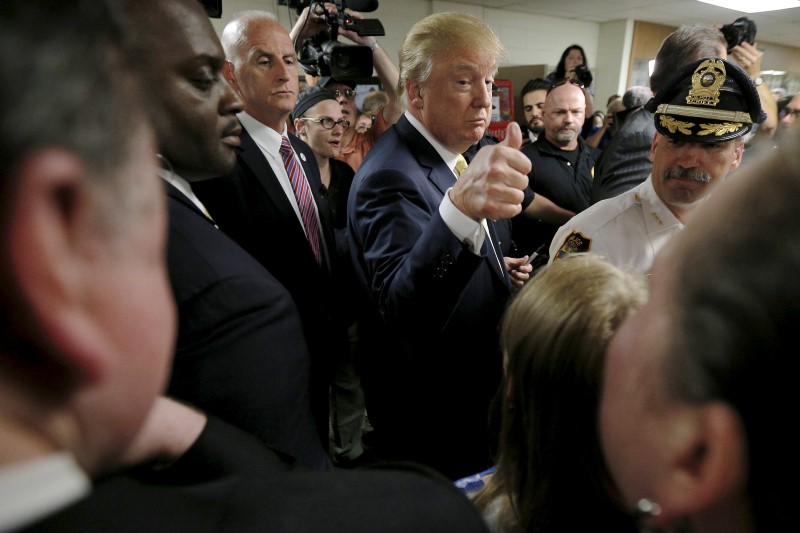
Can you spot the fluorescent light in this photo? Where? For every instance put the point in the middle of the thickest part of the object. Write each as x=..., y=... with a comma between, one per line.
x=773, y=72
x=749, y=6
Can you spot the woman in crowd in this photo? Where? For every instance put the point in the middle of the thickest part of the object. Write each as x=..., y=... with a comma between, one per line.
x=600, y=136
x=319, y=121
x=550, y=473
x=572, y=58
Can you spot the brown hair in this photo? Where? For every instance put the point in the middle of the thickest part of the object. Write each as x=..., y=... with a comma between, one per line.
x=554, y=337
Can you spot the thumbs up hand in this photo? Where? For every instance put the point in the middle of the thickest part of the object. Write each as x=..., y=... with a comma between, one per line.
x=493, y=184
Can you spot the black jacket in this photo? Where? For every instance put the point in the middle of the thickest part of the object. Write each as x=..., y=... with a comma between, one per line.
x=554, y=177
x=625, y=161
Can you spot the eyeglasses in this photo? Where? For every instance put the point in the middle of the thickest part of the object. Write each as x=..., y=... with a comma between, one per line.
x=348, y=93
x=788, y=111
x=565, y=81
x=328, y=123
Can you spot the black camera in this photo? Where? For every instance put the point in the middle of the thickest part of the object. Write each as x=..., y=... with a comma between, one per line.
x=583, y=75
x=323, y=55
x=741, y=30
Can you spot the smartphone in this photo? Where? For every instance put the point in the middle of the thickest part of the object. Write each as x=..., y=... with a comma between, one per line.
x=533, y=255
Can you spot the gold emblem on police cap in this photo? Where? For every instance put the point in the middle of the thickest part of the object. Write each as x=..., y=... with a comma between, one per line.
x=708, y=77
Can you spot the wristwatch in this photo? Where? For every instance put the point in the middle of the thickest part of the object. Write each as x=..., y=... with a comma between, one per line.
x=758, y=80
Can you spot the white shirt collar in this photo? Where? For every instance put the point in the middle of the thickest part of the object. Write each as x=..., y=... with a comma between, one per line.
x=34, y=489
x=448, y=156
x=186, y=189
x=264, y=136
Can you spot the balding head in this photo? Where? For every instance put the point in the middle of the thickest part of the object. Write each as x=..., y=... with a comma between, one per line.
x=564, y=113
x=262, y=67
x=236, y=33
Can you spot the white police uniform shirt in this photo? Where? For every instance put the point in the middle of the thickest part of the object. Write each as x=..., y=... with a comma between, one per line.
x=628, y=229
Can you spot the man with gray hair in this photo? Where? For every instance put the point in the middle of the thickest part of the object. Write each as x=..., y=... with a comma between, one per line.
x=427, y=252
x=625, y=161
x=701, y=116
x=636, y=96
x=271, y=203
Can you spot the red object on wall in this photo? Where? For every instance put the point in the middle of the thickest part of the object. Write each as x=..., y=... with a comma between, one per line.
x=502, y=109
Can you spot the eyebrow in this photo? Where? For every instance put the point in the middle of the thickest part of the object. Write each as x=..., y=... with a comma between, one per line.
x=260, y=52
x=471, y=67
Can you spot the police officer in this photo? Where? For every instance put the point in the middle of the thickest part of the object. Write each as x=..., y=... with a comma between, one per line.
x=701, y=118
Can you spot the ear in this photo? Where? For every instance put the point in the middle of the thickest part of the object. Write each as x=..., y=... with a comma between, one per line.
x=48, y=237
x=710, y=468
x=653, y=146
x=739, y=150
x=414, y=94
x=228, y=73
x=298, y=127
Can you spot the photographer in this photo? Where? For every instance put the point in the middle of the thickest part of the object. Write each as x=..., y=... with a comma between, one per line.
x=573, y=65
x=749, y=57
x=355, y=144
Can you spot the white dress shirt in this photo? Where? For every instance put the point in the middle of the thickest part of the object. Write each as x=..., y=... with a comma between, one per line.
x=32, y=490
x=628, y=229
x=462, y=226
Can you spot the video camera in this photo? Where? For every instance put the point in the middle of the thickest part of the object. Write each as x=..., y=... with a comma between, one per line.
x=584, y=75
x=740, y=30
x=323, y=55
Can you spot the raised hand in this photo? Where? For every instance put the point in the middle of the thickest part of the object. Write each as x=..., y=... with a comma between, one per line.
x=492, y=186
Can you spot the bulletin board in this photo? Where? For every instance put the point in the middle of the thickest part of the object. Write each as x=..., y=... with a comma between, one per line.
x=502, y=108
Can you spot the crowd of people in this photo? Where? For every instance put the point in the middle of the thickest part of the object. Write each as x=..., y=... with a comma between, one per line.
x=212, y=280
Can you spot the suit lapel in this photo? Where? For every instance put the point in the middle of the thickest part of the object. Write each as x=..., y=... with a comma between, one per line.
x=253, y=158
x=177, y=195
x=443, y=178
x=440, y=175
x=257, y=164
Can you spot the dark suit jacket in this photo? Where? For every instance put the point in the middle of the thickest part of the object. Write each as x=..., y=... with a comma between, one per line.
x=226, y=482
x=435, y=306
x=240, y=350
x=250, y=205
x=625, y=161
x=553, y=175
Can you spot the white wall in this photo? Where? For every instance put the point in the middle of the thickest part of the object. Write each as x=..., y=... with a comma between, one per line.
x=612, y=60
x=530, y=39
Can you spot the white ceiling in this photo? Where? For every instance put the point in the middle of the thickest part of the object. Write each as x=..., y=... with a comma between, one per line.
x=782, y=27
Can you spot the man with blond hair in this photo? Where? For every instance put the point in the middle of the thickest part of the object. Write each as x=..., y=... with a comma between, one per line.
x=428, y=254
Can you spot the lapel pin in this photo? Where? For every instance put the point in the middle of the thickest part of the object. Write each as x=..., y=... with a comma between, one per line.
x=303, y=157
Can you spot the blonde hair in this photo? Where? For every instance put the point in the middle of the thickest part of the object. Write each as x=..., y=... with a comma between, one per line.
x=554, y=337
x=442, y=33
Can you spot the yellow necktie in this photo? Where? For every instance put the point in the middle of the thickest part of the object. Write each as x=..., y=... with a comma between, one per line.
x=461, y=165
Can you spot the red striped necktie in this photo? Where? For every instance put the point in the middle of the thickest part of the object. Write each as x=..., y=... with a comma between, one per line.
x=302, y=192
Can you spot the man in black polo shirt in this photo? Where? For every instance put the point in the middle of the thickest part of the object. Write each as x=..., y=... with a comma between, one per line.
x=562, y=164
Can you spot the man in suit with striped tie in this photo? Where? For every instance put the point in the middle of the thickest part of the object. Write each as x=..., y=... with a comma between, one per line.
x=271, y=203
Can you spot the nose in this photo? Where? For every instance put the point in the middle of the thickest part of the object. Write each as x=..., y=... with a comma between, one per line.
x=286, y=71
x=342, y=99
x=483, y=97
x=690, y=155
